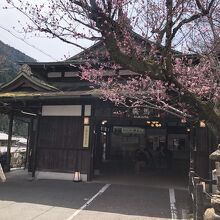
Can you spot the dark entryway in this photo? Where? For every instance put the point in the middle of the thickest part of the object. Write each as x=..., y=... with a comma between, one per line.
x=139, y=152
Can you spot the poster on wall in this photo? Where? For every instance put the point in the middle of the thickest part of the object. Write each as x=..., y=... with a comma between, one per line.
x=86, y=136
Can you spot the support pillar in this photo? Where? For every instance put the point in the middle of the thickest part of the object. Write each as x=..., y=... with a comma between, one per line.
x=36, y=132
x=27, y=146
x=10, y=130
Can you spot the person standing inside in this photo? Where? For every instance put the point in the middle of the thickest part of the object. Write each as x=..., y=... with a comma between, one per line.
x=168, y=154
x=159, y=156
x=141, y=160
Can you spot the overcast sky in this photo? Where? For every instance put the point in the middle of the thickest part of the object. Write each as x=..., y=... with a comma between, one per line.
x=53, y=47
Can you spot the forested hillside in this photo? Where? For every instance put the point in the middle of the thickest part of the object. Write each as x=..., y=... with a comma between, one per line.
x=9, y=59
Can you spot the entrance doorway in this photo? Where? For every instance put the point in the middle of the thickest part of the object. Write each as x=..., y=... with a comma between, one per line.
x=142, y=154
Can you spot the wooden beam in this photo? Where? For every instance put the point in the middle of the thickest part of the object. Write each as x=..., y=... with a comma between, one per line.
x=10, y=130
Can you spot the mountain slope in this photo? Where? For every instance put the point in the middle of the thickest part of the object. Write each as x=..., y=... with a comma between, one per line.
x=9, y=58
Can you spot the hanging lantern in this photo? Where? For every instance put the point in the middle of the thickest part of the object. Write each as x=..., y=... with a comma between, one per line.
x=202, y=124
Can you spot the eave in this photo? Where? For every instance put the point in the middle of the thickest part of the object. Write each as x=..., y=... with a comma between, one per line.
x=95, y=93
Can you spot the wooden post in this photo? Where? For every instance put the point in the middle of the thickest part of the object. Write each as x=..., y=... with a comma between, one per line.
x=27, y=146
x=210, y=144
x=199, y=203
x=31, y=146
x=92, y=145
x=108, y=142
x=97, y=149
x=36, y=132
x=10, y=130
x=192, y=145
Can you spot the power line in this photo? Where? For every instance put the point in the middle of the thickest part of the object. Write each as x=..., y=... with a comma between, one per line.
x=31, y=45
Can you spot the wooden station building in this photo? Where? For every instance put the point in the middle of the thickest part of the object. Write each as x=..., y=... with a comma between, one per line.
x=71, y=129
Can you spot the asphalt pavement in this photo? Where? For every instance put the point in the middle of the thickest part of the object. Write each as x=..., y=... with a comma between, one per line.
x=22, y=198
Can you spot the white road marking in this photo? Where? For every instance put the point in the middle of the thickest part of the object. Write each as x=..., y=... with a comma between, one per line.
x=173, y=204
x=102, y=190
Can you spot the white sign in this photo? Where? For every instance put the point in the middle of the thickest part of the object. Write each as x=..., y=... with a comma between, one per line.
x=61, y=110
x=132, y=130
x=86, y=136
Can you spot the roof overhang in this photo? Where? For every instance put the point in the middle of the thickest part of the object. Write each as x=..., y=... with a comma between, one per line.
x=49, y=95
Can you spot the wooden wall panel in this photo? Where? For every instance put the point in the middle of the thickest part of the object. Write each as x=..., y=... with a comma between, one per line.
x=60, y=145
x=63, y=160
x=60, y=132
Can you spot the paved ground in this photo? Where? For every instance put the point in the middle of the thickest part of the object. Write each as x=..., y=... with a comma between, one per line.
x=23, y=199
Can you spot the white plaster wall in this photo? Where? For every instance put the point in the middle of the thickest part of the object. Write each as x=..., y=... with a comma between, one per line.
x=87, y=110
x=58, y=176
x=61, y=110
